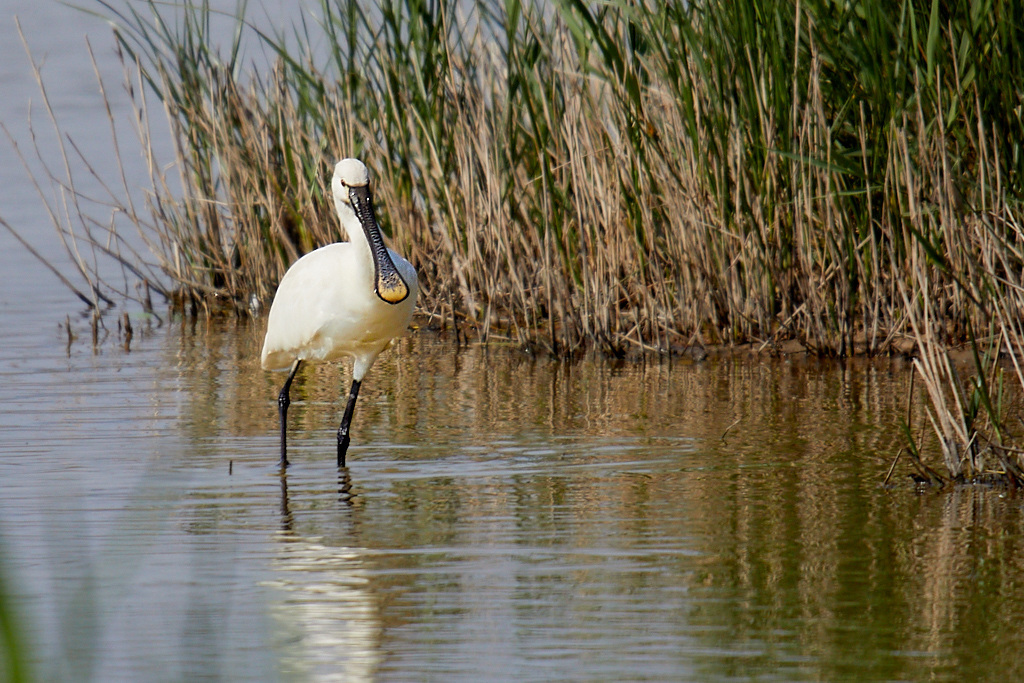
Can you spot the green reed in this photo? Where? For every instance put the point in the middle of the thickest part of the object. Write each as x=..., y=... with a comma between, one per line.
x=625, y=176
x=14, y=652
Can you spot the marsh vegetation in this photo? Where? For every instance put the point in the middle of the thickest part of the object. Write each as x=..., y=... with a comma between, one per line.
x=844, y=177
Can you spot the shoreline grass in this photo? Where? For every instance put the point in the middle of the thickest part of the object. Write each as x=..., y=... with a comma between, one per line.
x=616, y=177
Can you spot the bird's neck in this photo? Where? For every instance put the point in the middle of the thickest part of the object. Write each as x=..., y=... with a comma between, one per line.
x=357, y=238
x=353, y=227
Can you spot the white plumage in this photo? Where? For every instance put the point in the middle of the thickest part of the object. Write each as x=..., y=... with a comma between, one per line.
x=346, y=299
x=328, y=310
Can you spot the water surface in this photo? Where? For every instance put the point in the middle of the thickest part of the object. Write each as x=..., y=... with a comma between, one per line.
x=503, y=517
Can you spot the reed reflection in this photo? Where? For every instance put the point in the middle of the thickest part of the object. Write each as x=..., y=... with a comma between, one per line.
x=744, y=493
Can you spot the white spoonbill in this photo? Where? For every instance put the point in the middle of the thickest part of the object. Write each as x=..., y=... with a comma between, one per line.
x=346, y=299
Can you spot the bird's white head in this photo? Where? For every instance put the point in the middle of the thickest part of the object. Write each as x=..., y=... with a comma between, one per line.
x=349, y=173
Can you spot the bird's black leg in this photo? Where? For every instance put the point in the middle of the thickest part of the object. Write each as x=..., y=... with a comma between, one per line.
x=346, y=420
x=283, y=401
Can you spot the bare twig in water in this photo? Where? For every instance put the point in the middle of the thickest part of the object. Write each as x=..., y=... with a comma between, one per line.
x=892, y=467
x=729, y=428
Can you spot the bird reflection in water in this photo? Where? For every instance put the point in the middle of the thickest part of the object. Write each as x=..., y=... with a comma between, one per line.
x=329, y=618
x=346, y=497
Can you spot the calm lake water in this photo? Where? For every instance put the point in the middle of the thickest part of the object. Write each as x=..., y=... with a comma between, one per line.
x=503, y=517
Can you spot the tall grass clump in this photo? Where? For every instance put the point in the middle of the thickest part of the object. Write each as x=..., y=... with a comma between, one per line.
x=624, y=176
x=618, y=176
